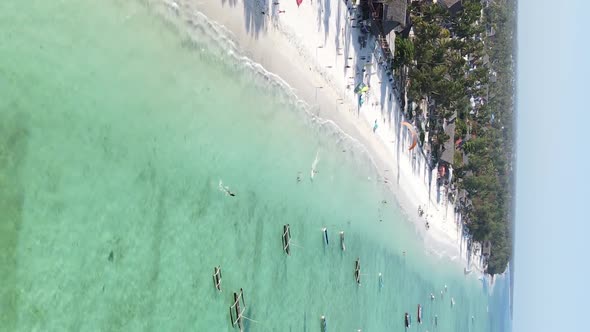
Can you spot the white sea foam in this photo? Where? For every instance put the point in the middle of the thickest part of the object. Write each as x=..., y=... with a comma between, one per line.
x=201, y=32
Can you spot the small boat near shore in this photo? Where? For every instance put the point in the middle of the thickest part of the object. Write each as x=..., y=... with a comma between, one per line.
x=217, y=277
x=287, y=239
x=236, y=311
x=357, y=271
x=325, y=231
x=419, y=314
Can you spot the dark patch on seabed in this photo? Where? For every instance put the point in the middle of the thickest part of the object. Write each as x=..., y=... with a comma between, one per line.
x=156, y=249
x=259, y=240
x=14, y=136
x=142, y=302
x=200, y=203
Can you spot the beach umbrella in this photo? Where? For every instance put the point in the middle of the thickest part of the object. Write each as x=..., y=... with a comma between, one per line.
x=299, y=2
x=361, y=88
x=358, y=87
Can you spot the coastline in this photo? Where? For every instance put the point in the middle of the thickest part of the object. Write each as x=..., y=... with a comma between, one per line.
x=286, y=44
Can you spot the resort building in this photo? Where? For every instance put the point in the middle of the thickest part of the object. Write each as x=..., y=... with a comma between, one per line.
x=453, y=6
x=388, y=15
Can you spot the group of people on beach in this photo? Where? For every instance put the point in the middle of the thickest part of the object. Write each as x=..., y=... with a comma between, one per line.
x=420, y=214
x=276, y=3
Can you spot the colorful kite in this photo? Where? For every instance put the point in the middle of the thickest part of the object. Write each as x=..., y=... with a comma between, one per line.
x=414, y=136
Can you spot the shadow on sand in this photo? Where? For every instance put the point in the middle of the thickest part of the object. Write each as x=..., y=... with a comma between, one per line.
x=324, y=11
x=256, y=15
x=232, y=3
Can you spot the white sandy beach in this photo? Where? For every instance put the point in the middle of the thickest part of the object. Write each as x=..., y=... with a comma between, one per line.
x=315, y=50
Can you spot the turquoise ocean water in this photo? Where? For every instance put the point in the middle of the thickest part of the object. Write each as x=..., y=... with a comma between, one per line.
x=117, y=125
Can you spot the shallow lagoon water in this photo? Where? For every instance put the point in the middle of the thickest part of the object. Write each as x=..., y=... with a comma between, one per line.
x=117, y=126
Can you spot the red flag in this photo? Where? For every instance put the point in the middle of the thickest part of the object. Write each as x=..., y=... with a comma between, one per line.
x=299, y=2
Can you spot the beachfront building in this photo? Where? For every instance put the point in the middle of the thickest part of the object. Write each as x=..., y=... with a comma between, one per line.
x=454, y=6
x=388, y=15
x=448, y=152
x=446, y=161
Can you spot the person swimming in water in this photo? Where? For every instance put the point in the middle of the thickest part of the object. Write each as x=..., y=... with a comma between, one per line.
x=229, y=192
x=225, y=189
